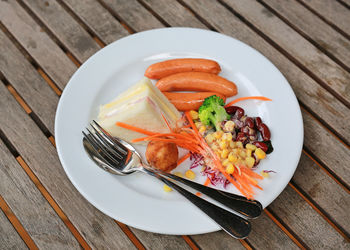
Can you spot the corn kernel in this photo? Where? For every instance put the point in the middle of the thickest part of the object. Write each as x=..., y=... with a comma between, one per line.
x=264, y=174
x=230, y=168
x=166, y=188
x=235, y=151
x=227, y=136
x=242, y=154
x=209, y=138
x=223, y=144
x=224, y=153
x=190, y=174
x=229, y=126
x=218, y=134
x=239, y=144
x=250, y=146
x=215, y=146
x=198, y=124
x=232, y=144
x=260, y=153
x=232, y=157
x=194, y=115
x=218, y=153
x=250, y=161
x=202, y=129
x=248, y=152
x=225, y=162
x=179, y=174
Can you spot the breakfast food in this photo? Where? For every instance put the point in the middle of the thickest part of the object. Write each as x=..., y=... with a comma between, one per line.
x=197, y=81
x=189, y=101
x=141, y=105
x=173, y=66
x=162, y=155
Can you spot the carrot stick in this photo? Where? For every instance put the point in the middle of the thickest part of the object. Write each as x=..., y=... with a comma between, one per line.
x=251, y=173
x=262, y=98
x=133, y=128
x=183, y=158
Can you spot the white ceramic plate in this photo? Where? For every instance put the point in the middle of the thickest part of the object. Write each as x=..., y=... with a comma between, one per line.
x=138, y=200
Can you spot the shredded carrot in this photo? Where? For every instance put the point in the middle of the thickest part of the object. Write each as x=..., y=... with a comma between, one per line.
x=262, y=98
x=133, y=128
x=183, y=158
x=251, y=173
x=207, y=182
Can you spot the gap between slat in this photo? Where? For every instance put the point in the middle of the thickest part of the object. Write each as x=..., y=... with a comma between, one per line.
x=303, y=34
x=344, y=4
x=130, y=235
x=190, y=242
x=285, y=53
x=17, y=224
x=325, y=20
x=53, y=203
x=319, y=210
x=285, y=229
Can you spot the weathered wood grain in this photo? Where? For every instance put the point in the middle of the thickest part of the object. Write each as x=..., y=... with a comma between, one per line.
x=216, y=240
x=9, y=238
x=311, y=25
x=306, y=222
x=323, y=190
x=329, y=150
x=27, y=81
x=38, y=44
x=332, y=11
x=160, y=241
x=306, y=89
x=98, y=19
x=64, y=27
x=33, y=211
x=134, y=14
x=264, y=235
x=334, y=76
x=174, y=13
x=99, y=231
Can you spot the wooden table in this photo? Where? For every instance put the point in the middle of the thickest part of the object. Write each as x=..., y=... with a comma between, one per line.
x=42, y=43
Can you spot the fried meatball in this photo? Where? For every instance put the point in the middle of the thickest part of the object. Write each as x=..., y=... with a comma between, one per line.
x=162, y=155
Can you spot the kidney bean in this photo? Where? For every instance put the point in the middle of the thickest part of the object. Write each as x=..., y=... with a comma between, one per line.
x=265, y=132
x=261, y=145
x=235, y=111
x=245, y=130
x=249, y=122
x=252, y=131
x=258, y=121
x=253, y=138
x=241, y=137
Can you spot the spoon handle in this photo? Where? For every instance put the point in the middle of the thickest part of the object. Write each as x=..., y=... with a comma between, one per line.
x=232, y=224
x=248, y=208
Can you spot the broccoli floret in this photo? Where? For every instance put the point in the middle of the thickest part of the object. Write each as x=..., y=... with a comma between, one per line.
x=212, y=112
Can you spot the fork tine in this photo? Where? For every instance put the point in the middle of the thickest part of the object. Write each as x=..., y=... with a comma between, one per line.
x=103, y=158
x=112, y=140
x=107, y=145
x=101, y=147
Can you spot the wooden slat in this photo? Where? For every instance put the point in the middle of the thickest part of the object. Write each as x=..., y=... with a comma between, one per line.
x=98, y=19
x=216, y=240
x=26, y=80
x=64, y=27
x=328, y=108
x=134, y=14
x=324, y=191
x=313, y=27
x=174, y=13
x=98, y=230
x=38, y=44
x=330, y=151
x=306, y=222
x=332, y=75
x=160, y=241
x=34, y=212
x=332, y=11
x=9, y=238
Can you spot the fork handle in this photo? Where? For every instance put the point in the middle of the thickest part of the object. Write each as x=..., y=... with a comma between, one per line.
x=248, y=208
x=232, y=224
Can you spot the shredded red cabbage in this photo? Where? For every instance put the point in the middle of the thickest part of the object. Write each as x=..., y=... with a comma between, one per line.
x=269, y=171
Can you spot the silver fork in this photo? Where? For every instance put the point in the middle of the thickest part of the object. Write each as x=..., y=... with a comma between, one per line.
x=119, y=157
